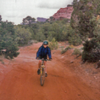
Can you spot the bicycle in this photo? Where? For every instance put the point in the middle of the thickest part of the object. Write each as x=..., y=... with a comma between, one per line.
x=42, y=72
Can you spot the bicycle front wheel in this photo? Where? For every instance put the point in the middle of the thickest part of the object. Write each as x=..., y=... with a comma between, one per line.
x=42, y=77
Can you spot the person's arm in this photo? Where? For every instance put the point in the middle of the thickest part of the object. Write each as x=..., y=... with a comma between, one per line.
x=38, y=53
x=49, y=53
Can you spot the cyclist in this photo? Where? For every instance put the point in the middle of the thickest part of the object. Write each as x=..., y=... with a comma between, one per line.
x=43, y=51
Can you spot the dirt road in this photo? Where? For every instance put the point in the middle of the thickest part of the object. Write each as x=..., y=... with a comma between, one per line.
x=19, y=80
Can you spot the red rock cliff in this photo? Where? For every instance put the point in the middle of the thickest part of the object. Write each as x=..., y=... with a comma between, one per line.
x=64, y=13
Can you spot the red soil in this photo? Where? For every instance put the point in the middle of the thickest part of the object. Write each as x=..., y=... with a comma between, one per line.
x=19, y=79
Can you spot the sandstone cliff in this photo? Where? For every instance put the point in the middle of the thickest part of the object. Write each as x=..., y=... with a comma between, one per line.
x=63, y=13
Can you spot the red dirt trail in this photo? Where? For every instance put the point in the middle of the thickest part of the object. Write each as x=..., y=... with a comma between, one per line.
x=19, y=79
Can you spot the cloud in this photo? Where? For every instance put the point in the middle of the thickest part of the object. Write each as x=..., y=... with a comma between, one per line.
x=53, y=4
x=16, y=10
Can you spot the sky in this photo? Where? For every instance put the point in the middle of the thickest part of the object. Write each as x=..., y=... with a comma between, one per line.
x=16, y=10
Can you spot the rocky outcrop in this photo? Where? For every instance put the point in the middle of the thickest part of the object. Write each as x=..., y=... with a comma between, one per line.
x=29, y=20
x=40, y=19
x=63, y=13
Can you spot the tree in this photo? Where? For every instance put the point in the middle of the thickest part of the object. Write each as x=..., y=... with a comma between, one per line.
x=8, y=45
x=40, y=36
x=34, y=28
x=52, y=18
x=28, y=20
x=75, y=3
x=23, y=35
x=83, y=17
x=45, y=29
x=84, y=21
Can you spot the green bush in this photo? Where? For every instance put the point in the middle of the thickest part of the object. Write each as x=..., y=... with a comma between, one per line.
x=82, y=19
x=23, y=35
x=75, y=40
x=53, y=44
x=64, y=50
x=46, y=31
x=91, y=51
x=8, y=45
x=40, y=36
x=77, y=52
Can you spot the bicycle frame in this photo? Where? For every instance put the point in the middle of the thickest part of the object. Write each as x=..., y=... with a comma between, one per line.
x=42, y=66
x=42, y=72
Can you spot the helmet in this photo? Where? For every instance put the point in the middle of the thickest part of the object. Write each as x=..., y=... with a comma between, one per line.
x=45, y=42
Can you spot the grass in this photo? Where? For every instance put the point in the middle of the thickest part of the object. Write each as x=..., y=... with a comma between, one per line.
x=77, y=52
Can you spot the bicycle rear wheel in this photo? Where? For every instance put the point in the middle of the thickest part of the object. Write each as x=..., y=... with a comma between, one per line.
x=42, y=77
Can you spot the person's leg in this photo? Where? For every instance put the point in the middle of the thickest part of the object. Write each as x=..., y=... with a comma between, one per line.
x=45, y=66
x=39, y=64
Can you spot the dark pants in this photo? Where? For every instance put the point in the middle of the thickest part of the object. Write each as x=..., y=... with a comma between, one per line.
x=45, y=57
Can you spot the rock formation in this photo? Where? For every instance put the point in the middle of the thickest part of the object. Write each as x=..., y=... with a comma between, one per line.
x=40, y=19
x=63, y=13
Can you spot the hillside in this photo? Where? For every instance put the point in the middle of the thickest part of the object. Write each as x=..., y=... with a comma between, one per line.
x=64, y=13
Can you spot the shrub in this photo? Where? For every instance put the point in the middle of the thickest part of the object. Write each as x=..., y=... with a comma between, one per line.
x=75, y=40
x=40, y=36
x=83, y=20
x=23, y=35
x=32, y=42
x=8, y=45
x=71, y=46
x=53, y=44
x=77, y=52
x=35, y=41
x=64, y=50
x=59, y=30
x=91, y=51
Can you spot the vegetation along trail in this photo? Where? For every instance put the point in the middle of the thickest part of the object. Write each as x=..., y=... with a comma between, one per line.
x=19, y=79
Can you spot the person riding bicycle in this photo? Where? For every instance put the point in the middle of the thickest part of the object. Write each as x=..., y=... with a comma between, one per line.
x=42, y=52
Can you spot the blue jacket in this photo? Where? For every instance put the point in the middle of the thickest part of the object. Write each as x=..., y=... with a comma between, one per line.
x=44, y=52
